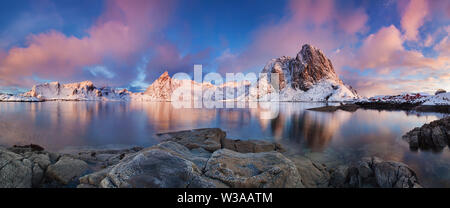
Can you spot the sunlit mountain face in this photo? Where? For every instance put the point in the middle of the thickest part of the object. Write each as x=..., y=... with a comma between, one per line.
x=378, y=47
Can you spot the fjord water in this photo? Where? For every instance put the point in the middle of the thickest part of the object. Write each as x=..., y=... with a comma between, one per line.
x=331, y=138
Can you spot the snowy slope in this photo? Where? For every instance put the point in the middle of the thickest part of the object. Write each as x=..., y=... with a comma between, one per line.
x=17, y=98
x=75, y=91
x=412, y=98
x=439, y=99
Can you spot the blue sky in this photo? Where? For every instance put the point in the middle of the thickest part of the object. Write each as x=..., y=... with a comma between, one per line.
x=378, y=47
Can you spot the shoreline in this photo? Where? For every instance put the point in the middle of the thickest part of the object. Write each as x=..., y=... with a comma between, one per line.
x=203, y=158
x=445, y=109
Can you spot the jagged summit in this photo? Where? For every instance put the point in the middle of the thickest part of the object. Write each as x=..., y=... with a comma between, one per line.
x=309, y=72
x=309, y=67
x=162, y=87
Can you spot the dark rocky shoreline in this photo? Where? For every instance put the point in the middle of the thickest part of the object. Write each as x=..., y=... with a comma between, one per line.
x=433, y=136
x=385, y=106
x=200, y=158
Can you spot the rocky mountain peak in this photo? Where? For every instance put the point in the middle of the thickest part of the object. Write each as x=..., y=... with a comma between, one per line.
x=316, y=66
x=161, y=87
x=308, y=68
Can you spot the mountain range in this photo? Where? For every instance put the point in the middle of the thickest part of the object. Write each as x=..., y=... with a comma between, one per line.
x=310, y=76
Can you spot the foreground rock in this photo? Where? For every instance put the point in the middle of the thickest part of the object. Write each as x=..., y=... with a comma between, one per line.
x=373, y=172
x=66, y=169
x=15, y=170
x=435, y=135
x=195, y=159
x=30, y=166
x=253, y=170
x=201, y=158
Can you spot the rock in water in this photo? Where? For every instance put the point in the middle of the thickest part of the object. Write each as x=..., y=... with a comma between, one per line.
x=66, y=169
x=253, y=170
x=374, y=172
x=435, y=135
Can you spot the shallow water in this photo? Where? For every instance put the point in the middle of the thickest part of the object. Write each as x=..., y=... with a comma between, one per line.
x=331, y=138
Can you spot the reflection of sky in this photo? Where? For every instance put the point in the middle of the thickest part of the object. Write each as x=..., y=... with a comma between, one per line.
x=331, y=138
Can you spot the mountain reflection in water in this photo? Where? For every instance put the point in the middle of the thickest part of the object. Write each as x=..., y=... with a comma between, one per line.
x=332, y=138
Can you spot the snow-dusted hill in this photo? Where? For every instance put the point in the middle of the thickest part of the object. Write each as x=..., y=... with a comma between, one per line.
x=17, y=98
x=75, y=91
x=410, y=98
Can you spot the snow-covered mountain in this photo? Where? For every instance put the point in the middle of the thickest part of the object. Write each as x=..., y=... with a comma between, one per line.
x=75, y=91
x=17, y=98
x=163, y=88
x=310, y=76
x=410, y=98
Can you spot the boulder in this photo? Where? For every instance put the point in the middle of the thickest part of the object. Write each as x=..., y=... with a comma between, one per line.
x=208, y=139
x=155, y=168
x=253, y=170
x=374, y=172
x=15, y=170
x=250, y=146
x=313, y=174
x=94, y=179
x=435, y=135
x=103, y=157
x=66, y=170
x=40, y=161
x=198, y=156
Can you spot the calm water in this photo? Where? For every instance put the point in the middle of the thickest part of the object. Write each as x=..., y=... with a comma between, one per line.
x=331, y=138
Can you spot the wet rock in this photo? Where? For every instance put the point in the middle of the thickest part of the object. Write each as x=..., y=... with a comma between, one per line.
x=15, y=170
x=86, y=186
x=313, y=174
x=257, y=170
x=94, y=179
x=208, y=139
x=104, y=157
x=435, y=135
x=40, y=161
x=198, y=156
x=66, y=170
x=37, y=176
x=25, y=148
x=338, y=177
x=155, y=168
x=374, y=172
x=250, y=146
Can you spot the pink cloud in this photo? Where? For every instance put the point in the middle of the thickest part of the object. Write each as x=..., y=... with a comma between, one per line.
x=384, y=52
x=319, y=23
x=169, y=58
x=413, y=18
x=120, y=33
